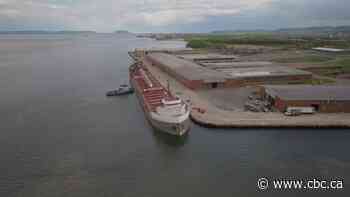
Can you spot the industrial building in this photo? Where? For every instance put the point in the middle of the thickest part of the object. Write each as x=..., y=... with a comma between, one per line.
x=208, y=57
x=250, y=64
x=325, y=99
x=187, y=72
x=265, y=74
x=196, y=76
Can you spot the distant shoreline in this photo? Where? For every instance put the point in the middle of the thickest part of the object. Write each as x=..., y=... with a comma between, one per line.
x=46, y=32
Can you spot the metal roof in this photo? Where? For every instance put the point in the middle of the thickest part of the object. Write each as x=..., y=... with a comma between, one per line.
x=309, y=92
x=193, y=71
x=187, y=69
x=205, y=56
x=248, y=64
x=266, y=71
x=328, y=49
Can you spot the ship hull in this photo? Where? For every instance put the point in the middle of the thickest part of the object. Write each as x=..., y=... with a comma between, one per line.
x=176, y=129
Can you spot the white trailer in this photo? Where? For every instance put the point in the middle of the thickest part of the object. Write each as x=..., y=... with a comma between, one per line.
x=295, y=111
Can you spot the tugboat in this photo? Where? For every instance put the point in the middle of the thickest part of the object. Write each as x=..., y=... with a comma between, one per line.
x=122, y=90
x=165, y=112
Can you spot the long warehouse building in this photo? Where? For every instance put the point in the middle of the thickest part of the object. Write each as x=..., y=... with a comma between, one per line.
x=196, y=76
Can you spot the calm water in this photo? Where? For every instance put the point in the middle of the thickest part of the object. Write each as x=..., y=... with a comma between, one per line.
x=60, y=136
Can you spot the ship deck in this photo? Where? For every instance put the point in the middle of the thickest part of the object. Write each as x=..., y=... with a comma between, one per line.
x=151, y=90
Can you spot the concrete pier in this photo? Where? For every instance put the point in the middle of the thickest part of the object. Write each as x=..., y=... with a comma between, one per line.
x=206, y=114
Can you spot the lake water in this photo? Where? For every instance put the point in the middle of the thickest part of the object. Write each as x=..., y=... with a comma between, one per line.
x=60, y=135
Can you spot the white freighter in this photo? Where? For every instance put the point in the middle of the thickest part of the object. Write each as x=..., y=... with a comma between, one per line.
x=164, y=111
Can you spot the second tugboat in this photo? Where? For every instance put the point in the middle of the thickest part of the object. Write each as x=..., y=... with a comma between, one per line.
x=164, y=111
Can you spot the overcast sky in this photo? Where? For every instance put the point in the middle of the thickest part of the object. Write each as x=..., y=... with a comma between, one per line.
x=170, y=15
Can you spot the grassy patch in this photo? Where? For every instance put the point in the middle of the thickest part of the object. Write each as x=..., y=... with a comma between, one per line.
x=198, y=44
x=303, y=59
x=342, y=64
x=318, y=81
x=263, y=39
x=223, y=41
x=337, y=65
x=329, y=72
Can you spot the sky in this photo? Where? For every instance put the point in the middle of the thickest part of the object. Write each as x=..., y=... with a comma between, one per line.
x=170, y=15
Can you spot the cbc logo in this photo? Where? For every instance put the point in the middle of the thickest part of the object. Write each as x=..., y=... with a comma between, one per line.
x=263, y=184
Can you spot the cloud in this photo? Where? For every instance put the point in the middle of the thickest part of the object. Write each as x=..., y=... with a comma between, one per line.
x=109, y=14
x=286, y=13
x=309, y=12
x=151, y=15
